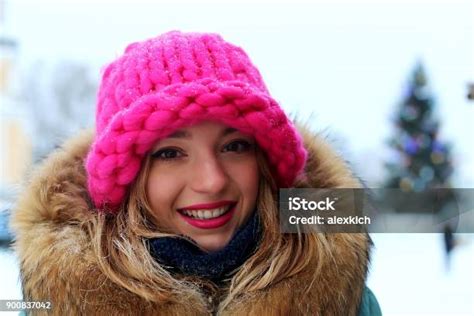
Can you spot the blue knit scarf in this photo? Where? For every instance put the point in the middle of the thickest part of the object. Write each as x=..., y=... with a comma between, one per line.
x=181, y=255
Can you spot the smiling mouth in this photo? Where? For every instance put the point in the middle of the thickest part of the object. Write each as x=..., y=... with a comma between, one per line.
x=207, y=213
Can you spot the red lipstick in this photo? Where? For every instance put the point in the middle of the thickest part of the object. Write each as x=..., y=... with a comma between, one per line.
x=209, y=223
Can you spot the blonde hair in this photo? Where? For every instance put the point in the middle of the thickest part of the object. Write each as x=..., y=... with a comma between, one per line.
x=120, y=245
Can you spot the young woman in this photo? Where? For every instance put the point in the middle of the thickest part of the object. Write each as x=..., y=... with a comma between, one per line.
x=170, y=208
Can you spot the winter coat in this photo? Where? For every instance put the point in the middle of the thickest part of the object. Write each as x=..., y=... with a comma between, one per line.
x=57, y=263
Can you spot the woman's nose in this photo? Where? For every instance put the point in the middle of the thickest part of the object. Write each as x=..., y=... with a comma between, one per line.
x=209, y=176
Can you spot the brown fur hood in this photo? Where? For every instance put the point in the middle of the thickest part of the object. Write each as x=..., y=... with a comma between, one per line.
x=58, y=265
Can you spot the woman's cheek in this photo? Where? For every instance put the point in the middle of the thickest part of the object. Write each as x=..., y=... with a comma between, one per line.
x=246, y=175
x=160, y=192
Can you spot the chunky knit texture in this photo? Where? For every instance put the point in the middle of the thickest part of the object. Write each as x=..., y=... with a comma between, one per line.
x=175, y=80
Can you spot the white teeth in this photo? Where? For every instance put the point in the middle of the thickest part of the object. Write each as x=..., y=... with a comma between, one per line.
x=207, y=214
x=215, y=213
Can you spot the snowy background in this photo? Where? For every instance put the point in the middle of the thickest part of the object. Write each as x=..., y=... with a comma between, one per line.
x=342, y=64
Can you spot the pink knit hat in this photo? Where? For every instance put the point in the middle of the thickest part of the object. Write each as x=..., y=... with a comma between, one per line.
x=174, y=80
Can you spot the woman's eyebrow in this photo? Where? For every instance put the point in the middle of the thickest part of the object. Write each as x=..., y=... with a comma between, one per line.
x=185, y=134
x=180, y=134
x=228, y=131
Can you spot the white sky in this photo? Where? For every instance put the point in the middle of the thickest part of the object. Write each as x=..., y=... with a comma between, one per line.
x=345, y=62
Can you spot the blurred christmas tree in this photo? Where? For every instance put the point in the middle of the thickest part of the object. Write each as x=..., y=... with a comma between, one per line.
x=422, y=161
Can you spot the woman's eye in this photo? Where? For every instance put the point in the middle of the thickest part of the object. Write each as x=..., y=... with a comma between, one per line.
x=167, y=154
x=238, y=146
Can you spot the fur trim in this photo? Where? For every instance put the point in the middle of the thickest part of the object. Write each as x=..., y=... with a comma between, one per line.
x=58, y=265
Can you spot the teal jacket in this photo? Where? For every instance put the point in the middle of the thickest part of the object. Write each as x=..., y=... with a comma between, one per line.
x=369, y=305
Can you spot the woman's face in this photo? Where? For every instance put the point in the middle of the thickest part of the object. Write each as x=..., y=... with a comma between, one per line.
x=203, y=182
